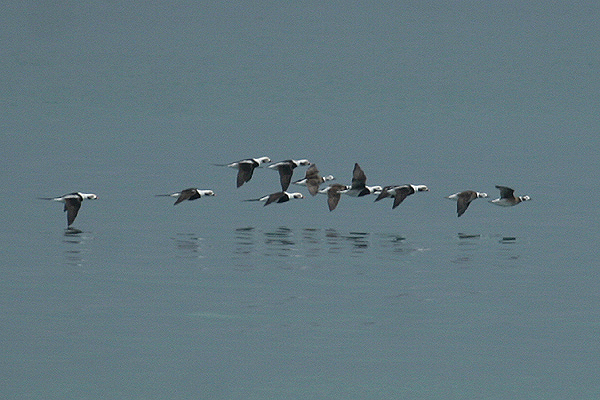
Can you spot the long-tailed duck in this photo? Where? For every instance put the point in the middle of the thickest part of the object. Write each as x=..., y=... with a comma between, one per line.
x=286, y=169
x=72, y=203
x=312, y=180
x=333, y=193
x=359, y=187
x=278, y=197
x=188, y=194
x=246, y=168
x=508, y=198
x=400, y=192
x=463, y=199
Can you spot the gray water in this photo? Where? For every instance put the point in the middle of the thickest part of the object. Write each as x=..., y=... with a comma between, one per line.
x=224, y=299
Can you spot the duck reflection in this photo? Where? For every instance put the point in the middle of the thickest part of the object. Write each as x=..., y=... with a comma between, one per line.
x=189, y=245
x=333, y=241
x=359, y=241
x=473, y=250
x=280, y=242
x=509, y=250
x=245, y=243
x=313, y=242
x=75, y=247
x=394, y=243
x=468, y=245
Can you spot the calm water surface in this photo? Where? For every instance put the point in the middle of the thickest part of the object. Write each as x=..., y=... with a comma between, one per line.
x=224, y=299
x=253, y=312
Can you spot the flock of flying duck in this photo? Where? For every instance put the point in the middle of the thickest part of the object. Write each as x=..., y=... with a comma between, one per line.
x=313, y=181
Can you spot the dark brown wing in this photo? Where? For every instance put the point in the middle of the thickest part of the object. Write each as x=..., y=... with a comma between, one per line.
x=506, y=192
x=245, y=171
x=359, y=179
x=187, y=194
x=333, y=198
x=285, y=176
x=313, y=186
x=464, y=199
x=312, y=172
x=461, y=206
x=274, y=197
x=384, y=193
x=313, y=179
x=72, y=206
x=401, y=194
x=333, y=195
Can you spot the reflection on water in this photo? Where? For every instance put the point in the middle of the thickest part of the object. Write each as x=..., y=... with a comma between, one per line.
x=280, y=242
x=474, y=249
x=251, y=247
x=468, y=245
x=244, y=241
x=509, y=250
x=189, y=245
x=312, y=242
x=359, y=241
x=76, y=246
x=468, y=235
x=396, y=244
x=333, y=241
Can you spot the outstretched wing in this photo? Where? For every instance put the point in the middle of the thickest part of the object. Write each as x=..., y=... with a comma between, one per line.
x=464, y=199
x=72, y=206
x=187, y=194
x=359, y=179
x=245, y=171
x=506, y=192
x=313, y=179
x=333, y=195
x=285, y=175
x=384, y=193
x=274, y=197
x=312, y=172
x=401, y=194
x=461, y=205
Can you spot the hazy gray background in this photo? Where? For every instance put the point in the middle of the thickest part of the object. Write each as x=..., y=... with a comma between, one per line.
x=131, y=99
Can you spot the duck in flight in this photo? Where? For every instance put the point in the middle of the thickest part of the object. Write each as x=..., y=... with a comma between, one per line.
x=286, y=169
x=246, y=168
x=72, y=203
x=507, y=197
x=400, y=192
x=312, y=180
x=359, y=186
x=278, y=197
x=334, y=193
x=188, y=194
x=463, y=199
